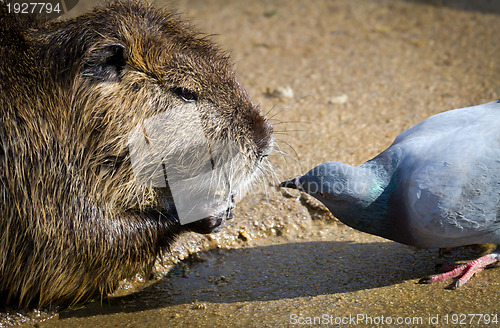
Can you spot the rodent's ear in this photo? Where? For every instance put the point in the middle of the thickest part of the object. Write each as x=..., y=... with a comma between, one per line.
x=106, y=62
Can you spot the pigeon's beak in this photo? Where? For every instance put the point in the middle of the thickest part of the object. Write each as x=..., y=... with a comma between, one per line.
x=294, y=184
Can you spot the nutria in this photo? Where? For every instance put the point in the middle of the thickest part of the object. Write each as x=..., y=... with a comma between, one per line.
x=73, y=218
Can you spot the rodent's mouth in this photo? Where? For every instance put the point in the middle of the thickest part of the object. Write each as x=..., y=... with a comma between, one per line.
x=207, y=225
x=210, y=224
x=213, y=223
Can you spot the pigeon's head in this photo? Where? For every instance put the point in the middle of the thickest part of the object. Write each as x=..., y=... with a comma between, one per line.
x=335, y=183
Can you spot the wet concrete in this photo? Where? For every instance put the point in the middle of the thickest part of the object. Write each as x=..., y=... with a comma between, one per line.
x=340, y=80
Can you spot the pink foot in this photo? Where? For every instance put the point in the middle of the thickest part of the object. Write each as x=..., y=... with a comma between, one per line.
x=465, y=271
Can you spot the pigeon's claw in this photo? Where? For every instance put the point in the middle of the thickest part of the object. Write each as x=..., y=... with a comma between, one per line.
x=463, y=272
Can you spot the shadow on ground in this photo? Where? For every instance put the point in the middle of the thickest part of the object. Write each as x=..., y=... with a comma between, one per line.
x=485, y=6
x=282, y=271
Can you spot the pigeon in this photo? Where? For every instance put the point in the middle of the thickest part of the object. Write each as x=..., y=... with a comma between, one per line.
x=436, y=186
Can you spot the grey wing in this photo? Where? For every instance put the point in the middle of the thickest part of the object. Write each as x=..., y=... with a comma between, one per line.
x=453, y=200
x=451, y=180
x=453, y=120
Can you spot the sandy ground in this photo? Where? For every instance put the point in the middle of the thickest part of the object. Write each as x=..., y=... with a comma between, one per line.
x=340, y=80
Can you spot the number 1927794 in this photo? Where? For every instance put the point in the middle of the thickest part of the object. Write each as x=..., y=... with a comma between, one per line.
x=33, y=7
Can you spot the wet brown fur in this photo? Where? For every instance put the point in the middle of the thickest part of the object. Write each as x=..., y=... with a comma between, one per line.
x=72, y=221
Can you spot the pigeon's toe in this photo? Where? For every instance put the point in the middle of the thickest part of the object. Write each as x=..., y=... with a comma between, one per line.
x=463, y=272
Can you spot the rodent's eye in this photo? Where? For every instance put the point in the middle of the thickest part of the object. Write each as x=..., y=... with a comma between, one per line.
x=322, y=195
x=186, y=95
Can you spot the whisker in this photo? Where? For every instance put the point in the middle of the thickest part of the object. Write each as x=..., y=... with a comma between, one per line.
x=285, y=155
x=280, y=111
x=286, y=131
x=288, y=135
x=292, y=122
x=270, y=110
x=297, y=158
x=288, y=107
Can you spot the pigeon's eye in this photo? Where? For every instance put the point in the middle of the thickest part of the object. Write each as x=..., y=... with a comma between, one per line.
x=322, y=195
x=186, y=95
